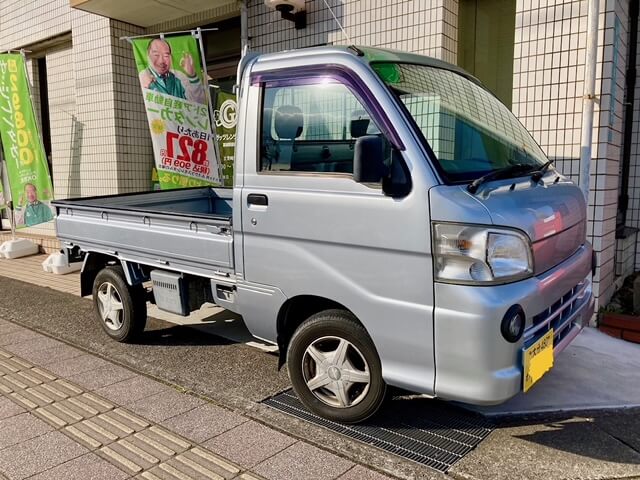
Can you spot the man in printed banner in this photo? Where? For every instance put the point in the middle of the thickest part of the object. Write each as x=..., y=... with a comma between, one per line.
x=160, y=77
x=35, y=211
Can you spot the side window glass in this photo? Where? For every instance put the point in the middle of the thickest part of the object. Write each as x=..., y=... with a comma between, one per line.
x=312, y=128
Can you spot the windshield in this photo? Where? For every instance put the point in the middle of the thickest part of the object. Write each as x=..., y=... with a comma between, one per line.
x=470, y=131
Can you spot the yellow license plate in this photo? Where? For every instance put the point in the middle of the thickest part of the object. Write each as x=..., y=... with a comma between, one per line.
x=537, y=360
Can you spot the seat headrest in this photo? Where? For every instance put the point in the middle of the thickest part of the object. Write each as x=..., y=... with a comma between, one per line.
x=289, y=122
x=359, y=124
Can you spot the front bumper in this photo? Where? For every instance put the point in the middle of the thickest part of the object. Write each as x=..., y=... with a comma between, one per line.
x=474, y=363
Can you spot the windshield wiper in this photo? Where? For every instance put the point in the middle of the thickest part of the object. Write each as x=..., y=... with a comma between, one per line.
x=500, y=173
x=538, y=174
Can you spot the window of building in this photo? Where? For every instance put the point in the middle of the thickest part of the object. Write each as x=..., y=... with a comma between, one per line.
x=312, y=128
x=486, y=39
x=222, y=52
x=43, y=94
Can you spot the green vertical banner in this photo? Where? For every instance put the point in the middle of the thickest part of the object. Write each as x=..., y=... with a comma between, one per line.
x=27, y=169
x=3, y=201
x=226, y=120
x=174, y=87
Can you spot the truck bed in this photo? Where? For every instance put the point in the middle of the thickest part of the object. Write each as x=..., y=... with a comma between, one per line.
x=183, y=230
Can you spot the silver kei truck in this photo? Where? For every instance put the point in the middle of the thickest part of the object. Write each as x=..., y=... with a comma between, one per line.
x=390, y=223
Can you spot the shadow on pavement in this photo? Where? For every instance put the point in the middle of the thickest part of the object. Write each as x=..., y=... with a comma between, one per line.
x=586, y=438
x=177, y=335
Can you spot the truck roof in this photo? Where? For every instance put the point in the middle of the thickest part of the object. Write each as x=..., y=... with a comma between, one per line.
x=368, y=55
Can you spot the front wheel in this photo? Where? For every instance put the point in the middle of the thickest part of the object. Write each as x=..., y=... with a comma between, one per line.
x=335, y=369
x=120, y=308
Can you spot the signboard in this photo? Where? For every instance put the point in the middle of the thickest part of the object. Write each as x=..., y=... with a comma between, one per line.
x=174, y=87
x=27, y=169
x=226, y=121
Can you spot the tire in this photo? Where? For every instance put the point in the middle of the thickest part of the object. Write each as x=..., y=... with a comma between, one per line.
x=110, y=290
x=335, y=369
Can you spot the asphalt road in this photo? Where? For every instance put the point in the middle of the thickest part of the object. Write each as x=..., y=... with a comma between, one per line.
x=599, y=446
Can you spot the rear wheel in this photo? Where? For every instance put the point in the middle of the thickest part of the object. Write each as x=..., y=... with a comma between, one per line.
x=335, y=369
x=120, y=308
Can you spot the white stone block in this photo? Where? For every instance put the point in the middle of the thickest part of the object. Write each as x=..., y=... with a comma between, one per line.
x=20, y=247
x=58, y=263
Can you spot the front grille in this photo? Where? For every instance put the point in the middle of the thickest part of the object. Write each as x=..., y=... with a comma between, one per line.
x=558, y=316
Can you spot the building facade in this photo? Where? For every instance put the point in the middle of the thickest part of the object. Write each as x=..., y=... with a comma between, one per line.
x=530, y=53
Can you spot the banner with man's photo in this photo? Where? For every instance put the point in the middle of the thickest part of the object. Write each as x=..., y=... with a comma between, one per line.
x=174, y=87
x=27, y=168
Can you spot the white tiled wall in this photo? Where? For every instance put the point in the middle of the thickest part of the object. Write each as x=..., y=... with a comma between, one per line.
x=625, y=255
x=549, y=57
x=66, y=131
x=549, y=60
x=95, y=103
x=26, y=22
x=133, y=141
x=427, y=26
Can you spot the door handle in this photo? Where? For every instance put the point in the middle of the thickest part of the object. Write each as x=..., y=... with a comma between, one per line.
x=257, y=199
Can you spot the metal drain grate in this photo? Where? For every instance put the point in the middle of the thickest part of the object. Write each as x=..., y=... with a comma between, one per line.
x=436, y=435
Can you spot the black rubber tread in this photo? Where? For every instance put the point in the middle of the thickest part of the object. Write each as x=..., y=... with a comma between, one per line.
x=343, y=324
x=133, y=301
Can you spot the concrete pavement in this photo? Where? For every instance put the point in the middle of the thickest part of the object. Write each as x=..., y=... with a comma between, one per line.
x=596, y=372
x=84, y=417
x=234, y=378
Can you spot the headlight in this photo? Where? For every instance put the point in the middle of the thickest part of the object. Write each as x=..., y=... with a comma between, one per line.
x=471, y=254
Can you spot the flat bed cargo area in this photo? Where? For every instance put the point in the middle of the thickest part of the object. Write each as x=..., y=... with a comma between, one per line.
x=183, y=230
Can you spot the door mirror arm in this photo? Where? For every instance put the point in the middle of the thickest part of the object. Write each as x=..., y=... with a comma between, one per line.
x=397, y=183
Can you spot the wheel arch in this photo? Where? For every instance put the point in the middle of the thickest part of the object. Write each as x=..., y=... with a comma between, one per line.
x=295, y=311
x=93, y=263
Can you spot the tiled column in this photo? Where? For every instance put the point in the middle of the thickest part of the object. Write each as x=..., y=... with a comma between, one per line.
x=428, y=27
x=115, y=145
x=633, y=213
x=66, y=136
x=608, y=134
x=95, y=100
x=134, y=148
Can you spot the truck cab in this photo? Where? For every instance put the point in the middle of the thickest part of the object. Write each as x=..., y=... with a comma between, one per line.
x=390, y=223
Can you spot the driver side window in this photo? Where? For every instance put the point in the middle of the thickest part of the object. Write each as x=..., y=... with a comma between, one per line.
x=312, y=128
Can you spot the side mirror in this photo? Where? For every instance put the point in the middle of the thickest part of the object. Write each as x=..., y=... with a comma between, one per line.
x=368, y=160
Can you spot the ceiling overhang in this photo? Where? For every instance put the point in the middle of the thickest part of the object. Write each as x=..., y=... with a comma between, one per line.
x=146, y=13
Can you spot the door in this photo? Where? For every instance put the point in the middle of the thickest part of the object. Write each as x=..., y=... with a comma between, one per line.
x=310, y=229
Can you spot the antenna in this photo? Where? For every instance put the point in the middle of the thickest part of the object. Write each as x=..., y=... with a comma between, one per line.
x=338, y=22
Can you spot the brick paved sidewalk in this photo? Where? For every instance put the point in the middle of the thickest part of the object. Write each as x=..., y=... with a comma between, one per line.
x=66, y=414
x=29, y=269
